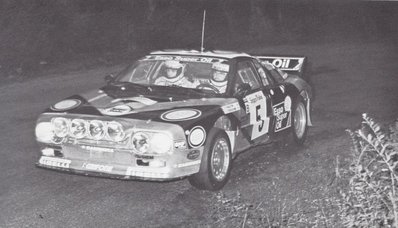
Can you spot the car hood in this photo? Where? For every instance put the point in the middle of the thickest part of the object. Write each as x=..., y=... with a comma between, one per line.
x=144, y=106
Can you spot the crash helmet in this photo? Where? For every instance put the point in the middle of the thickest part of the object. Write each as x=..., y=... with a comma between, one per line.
x=219, y=75
x=173, y=69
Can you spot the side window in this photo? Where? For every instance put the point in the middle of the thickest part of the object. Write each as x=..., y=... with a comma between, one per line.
x=247, y=75
x=274, y=73
x=264, y=75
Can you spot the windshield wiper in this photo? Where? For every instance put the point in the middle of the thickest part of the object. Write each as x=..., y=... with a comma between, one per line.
x=137, y=85
x=201, y=92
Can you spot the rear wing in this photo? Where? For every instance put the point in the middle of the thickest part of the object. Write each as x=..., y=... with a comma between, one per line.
x=292, y=65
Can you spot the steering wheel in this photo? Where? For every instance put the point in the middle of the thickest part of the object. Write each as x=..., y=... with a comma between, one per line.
x=208, y=87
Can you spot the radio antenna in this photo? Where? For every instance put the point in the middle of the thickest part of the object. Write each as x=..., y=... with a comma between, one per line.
x=203, y=31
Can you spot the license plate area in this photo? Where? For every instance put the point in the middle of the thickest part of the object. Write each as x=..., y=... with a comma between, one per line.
x=98, y=154
x=101, y=155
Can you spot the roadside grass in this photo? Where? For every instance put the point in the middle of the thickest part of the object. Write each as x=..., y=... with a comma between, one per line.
x=359, y=190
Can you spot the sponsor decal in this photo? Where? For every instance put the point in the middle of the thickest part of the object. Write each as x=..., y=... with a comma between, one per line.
x=281, y=63
x=197, y=136
x=282, y=112
x=128, y=106
x=117, y=110
x=254, y=97
x=229, y=108
x=182, y=58
x=57, y=162
x=66, y=105
x=193, y=154
x=147, y=157
x=284, y=63
x=181, y=114
x=98, y=149
x=140, y=172
x=180, y=145
x=97, y=167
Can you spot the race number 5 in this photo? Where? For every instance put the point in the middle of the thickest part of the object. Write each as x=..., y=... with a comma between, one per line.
x=257, y=107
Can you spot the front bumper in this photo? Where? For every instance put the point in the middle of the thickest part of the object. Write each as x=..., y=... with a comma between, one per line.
x=172, y=167
x=118, y=159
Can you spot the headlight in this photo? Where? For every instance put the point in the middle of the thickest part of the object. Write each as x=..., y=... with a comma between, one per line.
x=140, y=142
x=197, y=136
x=78, y=128
x=66, y=104
x=97, y=129
x=115, y=131
x=161, y=143
x=44, y=132
x=60, y=126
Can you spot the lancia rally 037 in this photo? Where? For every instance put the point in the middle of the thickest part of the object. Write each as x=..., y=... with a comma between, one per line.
x=175, y=114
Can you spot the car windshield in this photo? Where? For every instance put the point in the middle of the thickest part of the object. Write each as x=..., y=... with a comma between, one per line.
x=203, y=73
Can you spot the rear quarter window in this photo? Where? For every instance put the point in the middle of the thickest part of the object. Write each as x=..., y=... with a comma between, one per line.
x=274, y=73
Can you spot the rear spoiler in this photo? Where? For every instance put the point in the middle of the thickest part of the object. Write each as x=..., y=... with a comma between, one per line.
x=293, y=65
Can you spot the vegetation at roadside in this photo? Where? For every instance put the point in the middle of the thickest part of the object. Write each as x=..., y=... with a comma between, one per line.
x=372, y=198
x=363, y=193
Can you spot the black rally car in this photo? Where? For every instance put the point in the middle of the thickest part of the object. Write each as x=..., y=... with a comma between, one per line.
x=175, y=114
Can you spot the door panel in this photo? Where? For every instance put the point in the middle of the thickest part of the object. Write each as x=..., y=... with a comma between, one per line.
x=256, y=122
x=256, y=108
x=281, y=108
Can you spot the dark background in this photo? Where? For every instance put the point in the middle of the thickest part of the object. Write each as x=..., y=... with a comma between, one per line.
x=40, y=33
x=72, y=45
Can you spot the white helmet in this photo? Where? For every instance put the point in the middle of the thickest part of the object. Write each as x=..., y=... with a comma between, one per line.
x=219, y=76
x=173, y=68
x=173, y=64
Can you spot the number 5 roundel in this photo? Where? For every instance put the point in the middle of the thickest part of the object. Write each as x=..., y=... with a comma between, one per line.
x=256, y=105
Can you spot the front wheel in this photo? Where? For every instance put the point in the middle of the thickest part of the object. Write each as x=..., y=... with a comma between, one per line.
x=216, y=161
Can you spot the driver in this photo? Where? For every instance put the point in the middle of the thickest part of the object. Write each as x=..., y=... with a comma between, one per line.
x=219, y=76
x=174, y=75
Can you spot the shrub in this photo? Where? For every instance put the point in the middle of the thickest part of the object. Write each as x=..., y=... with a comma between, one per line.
x=371, y=199
x=364, y=193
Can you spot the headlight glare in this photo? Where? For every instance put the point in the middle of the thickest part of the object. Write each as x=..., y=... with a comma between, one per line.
x=140, y=142
x=44, y=132
x=97, y=129
x=161, y=143
x=78, y=128
x=60, y=126
x=115, y=131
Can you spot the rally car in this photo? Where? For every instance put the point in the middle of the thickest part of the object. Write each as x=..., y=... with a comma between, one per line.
x=175, y=114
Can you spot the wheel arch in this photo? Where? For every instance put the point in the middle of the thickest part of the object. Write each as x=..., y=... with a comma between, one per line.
x=307, y=100
x=229, y=124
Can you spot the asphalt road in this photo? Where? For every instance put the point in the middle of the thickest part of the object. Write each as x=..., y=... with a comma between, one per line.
x=348, y=80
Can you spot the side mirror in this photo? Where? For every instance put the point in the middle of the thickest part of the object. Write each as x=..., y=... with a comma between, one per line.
x=109, y=78
x=242, y=90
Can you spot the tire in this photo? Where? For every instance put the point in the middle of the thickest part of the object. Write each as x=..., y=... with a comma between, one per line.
x=299, y=123
x=215, y=166
x=297, y=133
